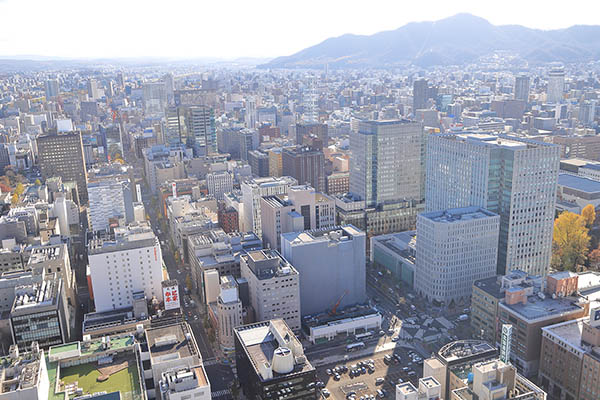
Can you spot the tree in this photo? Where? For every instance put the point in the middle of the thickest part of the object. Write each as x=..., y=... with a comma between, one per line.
x=594, y=258
x=570, y=241
x=38, y=182
x=20, y=189
x=235, y=388
x=176, y=256
x=14, y=199
x=589, y=215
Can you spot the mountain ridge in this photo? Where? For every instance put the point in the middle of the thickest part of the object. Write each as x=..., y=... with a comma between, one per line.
x=455, y=40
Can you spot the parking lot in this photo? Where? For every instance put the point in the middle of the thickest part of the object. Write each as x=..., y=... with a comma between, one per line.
x=365, y=385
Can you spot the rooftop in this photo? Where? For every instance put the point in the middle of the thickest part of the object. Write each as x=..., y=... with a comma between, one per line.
x=171, y=342
x=458, y=214
x=542, y=308
x=334, y=233
x=567, y=332
x=464, y=349
x=38, y=294
x=124, y=238
x=579, y=183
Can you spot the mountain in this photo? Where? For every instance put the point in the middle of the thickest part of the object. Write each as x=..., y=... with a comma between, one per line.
x=456, y=40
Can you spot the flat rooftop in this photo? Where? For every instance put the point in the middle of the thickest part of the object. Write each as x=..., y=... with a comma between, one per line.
x=491, y=286
x=406, y=388
x=458, y=214
x=579, y=183
x=333, y=233
x=537, y=308
x=465, y=348
x=568, y=332
x=171, y=342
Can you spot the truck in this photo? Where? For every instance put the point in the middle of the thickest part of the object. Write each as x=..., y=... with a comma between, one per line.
x=463, y=317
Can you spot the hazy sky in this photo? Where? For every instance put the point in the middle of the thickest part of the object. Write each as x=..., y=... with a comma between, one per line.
x=241, y=28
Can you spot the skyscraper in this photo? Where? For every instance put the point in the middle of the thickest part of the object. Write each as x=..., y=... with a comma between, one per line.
x=556, y=84
x=202, y=133
x=306, y=165
x=387, y=162
x=513, y=177
x=52, y=88
x=522, y=88
x=419, y=94
x=314, y=129
x=61, y=154
x=92, y=89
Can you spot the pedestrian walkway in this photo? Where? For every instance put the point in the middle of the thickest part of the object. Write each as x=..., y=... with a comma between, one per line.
x=220, y=393
x=210, y=361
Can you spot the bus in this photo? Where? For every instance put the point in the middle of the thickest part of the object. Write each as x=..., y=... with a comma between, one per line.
x=355, y=346
x=365, y=335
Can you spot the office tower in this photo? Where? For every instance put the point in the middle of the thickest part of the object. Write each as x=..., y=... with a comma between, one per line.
x=235, y=141
x=315, y=129
x=530, y=308
x=123, y=263
x=259, y=163
x=522, y=88
x=576, y=345
x=454, y=248
x=512, y=177
x=275, y=162
x=331, y=264
x=229, y=312
x=61, y=154
x=268, y=357
x=274, y=286
x=175, y=129
x=250, y=116
x=556, y=85
x=92, y=89
x=306, y=165
x=301, y=209
x=109, y=201
x=420, y=95
x=202, y=133
x=253, y=190
x=154, y=96
x=387, y=162
x=52, y=89
x=169, y=87
x=587, y=112
x=219, y=183
x=40, y=313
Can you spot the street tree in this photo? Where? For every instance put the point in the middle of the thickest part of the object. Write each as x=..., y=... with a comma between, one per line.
x=570, y=242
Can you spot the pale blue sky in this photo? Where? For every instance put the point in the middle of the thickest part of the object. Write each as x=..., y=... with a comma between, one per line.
x=240, y=28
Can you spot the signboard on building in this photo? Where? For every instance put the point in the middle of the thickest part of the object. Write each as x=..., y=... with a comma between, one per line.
x=171, y=296
x=505, y=343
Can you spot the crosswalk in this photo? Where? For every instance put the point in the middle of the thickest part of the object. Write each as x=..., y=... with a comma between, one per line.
x=210, y=361
x=220, y=393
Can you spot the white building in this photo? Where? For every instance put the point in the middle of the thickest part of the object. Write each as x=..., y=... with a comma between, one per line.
x=302, y=209
x=455, y=248
x=229, y=309
x=253, y=190
x=513, y=177
x=331, y=263
x=128, y=261
x=24, y=375
x=219, y=183
x=273, y=285
x=109, y=200
x=556, y=85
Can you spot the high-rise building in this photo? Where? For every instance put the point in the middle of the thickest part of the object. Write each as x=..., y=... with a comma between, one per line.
x=124, y=263
x=229, y=312
x=331, y=263
x=420, y=92
x=301, y=209
x=556, y=84
x=219, y=183
x=522, y=88
x=52, y=89
x=201, y=129
x=61, y=154
x=498, y=173
x=253, y=190
x=387, y=162
x=454, y=248
x=155, y=97
x=92, y=89
x=268, y=357
x=306, y=165
x=274, y=286
x=109, y=200
x=259, y=163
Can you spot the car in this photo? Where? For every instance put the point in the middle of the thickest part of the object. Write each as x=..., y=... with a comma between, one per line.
x=387, y=358
x=350, y=394
x=390, y=332
x=379, y=381
x=395, y=339
x=405, y=369
x=412, y=373
x=400, y=380
x=326, y=392
x=328, y=372
x=381, y=333
x=320, y=384
x=380, y=393
x=344, y=368
x=363, y=370
x=337, y=377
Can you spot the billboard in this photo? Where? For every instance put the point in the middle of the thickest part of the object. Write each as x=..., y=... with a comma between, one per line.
x=506, y=343
x=171, y=296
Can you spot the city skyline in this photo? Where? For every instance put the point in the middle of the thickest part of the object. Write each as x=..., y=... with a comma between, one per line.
x=255, y=31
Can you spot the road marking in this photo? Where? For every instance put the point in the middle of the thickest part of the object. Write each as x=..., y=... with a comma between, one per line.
x=209, y=362
x=220, y=393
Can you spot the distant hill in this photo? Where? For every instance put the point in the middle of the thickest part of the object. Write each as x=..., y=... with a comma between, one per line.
x=452, y=41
